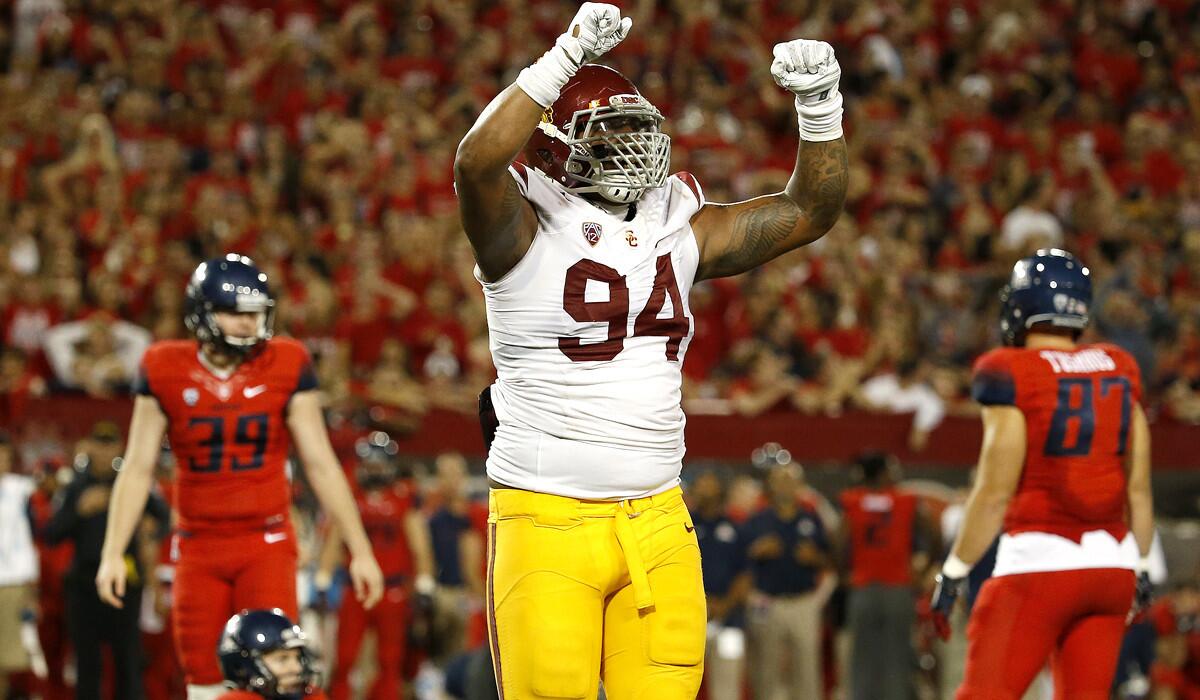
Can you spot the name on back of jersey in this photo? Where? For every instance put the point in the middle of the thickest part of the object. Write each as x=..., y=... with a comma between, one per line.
x=1079, y=362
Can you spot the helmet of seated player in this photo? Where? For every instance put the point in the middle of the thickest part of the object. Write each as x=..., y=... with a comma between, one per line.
x=377, y=466
x=231, y=283
x=601, y=137
x=1051, y=287
x=248, y=637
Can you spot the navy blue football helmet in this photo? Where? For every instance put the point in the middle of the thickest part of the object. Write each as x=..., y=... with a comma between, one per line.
x=247, y=637
x=230, y=283
x=1051, y=286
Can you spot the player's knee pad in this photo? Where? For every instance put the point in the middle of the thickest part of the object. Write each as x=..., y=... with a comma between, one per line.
x=676, y=631
x=205, y=692
x=567, y=673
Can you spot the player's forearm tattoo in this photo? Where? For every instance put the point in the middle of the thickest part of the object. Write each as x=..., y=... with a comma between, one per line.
x=770, y=226
x=757, y=230
x=823, y=175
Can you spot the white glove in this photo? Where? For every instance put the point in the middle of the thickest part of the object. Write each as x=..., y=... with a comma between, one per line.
x=594, y=31
x=598, y=27
x=809, y=70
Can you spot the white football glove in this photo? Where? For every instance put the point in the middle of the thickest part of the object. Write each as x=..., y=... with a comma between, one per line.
x=598, y=26
x=809, y=70
x=594, y=31
x=806, y=68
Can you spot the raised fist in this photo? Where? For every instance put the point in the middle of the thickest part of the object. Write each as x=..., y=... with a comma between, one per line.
x=598, y=27
x=808, y=69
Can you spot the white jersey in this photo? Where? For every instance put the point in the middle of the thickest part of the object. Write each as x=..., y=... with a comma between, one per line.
x=588, y=334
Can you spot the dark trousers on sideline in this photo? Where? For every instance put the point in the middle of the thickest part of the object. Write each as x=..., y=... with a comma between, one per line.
x=881, y=620
x=94, y=624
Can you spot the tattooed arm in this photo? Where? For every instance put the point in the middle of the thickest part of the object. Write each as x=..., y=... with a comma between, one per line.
x=499, y=221
x=497, y=218
x=734, y=238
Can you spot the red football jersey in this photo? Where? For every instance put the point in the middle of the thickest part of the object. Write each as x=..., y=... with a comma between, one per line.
x=383, y=512
x=229, y=436
x=881, y=524
x=1078, y=406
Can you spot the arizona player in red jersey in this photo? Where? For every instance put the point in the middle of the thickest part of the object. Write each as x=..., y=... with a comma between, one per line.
x=229, y=401
x=1065, y=471
x=399, y=536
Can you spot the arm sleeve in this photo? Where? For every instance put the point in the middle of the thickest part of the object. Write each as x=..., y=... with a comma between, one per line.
x=300, y=361
x=307, y=379
x=992, y=382
x=1134, y=373
x=141, y=382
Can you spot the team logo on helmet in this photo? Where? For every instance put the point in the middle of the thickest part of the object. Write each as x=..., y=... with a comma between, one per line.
x=591, y=232
x=1069, y=305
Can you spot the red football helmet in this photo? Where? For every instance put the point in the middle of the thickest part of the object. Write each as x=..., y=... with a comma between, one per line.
x=601, y=136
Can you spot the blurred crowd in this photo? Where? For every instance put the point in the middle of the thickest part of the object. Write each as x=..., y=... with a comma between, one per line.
x=138, y=137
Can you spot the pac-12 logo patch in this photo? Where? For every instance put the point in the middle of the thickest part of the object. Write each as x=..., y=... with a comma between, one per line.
x=591, y=232
x=191, y=395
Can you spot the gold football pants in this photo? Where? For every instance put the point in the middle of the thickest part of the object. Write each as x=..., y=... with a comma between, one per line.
x=580, y=591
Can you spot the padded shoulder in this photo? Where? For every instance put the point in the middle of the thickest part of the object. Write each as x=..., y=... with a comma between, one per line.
x=993, y=379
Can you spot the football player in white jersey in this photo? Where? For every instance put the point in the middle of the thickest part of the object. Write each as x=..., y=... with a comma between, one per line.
x=586, y=251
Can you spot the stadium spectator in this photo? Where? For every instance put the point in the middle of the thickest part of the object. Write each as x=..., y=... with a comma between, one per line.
x=1176, y=620
x=18, y=564
x=80, y=516
x=457, y=529
x=53, y=563
x=788, y=554
x=1030, y=225
x=886, y=538
x=99, y=356
x=906, y=391
x=726, y=585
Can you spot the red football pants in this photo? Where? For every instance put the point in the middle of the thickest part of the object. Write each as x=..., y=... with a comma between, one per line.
x=1076, y=618
x=217, y=576
x=389, y=620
